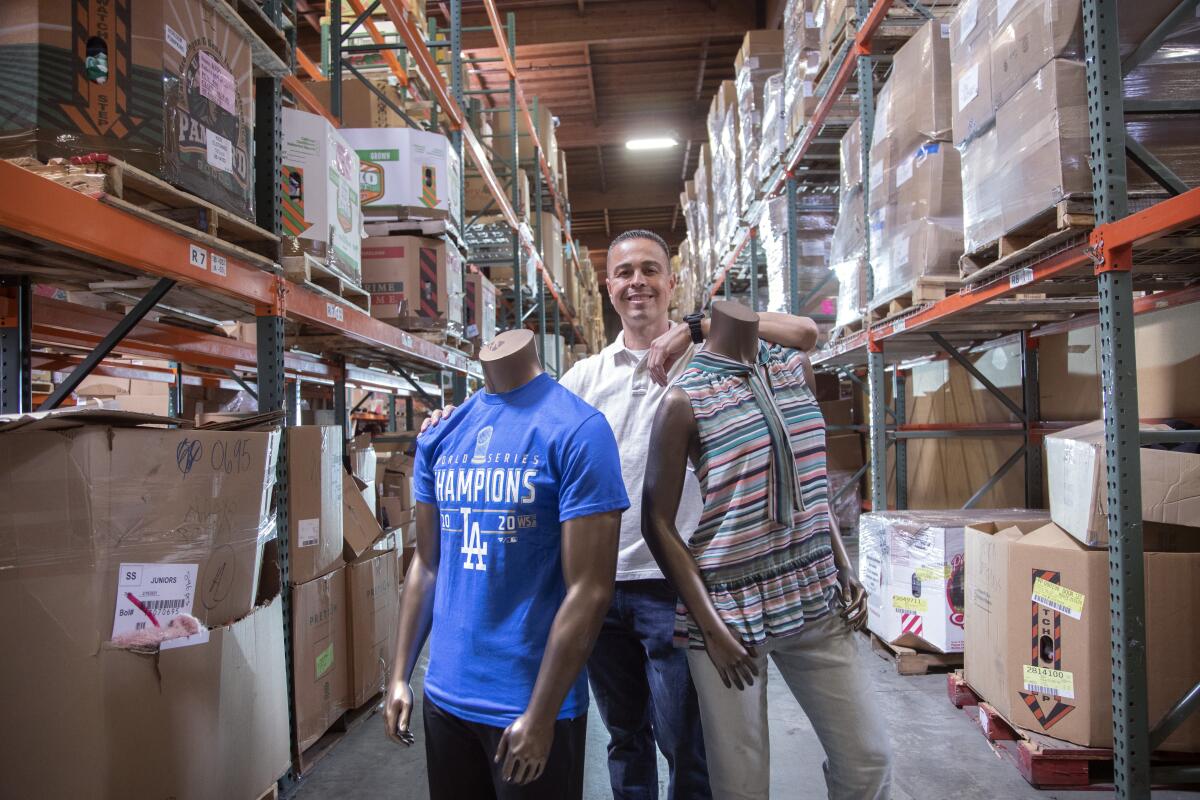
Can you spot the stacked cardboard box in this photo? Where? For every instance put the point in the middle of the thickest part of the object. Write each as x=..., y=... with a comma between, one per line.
x=1038, y=638
x=322, y=211
x=479, y=199
x=552, y=246
x=814, y=230
x=911, y=564
x=481, y=309
x=414, y=281
x=406, y=173
x=703, y=235
x=914, y=185
x=1020, y=108
x=774, y=135
x=724, y=124
x=808, y=32
x=760, y=57
x=114, y=523
x=847, y=248
x=166, y=86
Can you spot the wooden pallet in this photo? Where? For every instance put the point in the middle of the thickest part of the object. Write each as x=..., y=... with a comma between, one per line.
x=121, y=185
x=309, y=270
x=921, y=291
x=1043, y=761
x=913, y=662
x=840, y=332
x=346, y=724
x=1042, y=232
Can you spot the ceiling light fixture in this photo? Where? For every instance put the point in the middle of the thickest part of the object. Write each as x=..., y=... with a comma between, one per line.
x=657, y=143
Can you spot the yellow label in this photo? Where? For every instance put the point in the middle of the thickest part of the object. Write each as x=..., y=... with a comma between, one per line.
x=1058, y=598
x=1043, y=680
x=324, y=661
x=915, y=605
x=933, y=573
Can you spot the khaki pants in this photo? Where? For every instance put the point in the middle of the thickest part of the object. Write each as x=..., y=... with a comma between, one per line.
x=821, y=667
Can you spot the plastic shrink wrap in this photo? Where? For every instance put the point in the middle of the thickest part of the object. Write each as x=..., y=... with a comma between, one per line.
x=814, y=232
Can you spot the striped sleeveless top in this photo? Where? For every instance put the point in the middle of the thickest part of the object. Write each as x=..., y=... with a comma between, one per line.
x=763, y=544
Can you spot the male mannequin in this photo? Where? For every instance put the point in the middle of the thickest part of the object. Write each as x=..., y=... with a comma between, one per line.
x=506, y=587
x=816, y=656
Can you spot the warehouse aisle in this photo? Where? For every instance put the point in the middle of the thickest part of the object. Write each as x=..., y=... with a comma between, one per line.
x=940, y=754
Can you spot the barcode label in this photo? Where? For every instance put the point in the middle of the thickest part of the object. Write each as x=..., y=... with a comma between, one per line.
x=164, y=606
x=1043, y=680
x=151, y=595
x=1058, y=598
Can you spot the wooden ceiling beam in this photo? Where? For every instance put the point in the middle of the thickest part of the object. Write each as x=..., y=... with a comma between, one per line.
x=621, y=21
x=631, y=195
x=574, y=132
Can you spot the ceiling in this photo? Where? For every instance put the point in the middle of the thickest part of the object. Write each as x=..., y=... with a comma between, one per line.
x=611, y=70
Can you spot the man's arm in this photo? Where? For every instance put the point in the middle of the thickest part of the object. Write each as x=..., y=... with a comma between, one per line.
x=589, y=564
x=788, y=330
x=415, y=620
x=672, y=437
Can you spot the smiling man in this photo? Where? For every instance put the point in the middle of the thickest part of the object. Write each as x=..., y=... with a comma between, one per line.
x=641, y=682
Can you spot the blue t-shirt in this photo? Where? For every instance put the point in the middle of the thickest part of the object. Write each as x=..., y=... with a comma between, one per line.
x=505, y=471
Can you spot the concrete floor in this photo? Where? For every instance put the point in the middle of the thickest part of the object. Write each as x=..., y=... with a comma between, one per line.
x=939, y=753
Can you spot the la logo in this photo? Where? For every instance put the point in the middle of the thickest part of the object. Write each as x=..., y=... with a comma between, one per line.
x=473, y=547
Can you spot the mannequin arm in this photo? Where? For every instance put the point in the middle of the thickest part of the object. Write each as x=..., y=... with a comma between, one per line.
x=415, y=620
x=675, y=434
x=589, y=564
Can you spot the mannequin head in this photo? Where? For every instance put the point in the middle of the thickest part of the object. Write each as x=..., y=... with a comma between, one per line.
x=510, y=361
x=733, y=331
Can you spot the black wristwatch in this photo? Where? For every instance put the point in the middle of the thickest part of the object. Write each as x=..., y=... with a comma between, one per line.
x=693, y=323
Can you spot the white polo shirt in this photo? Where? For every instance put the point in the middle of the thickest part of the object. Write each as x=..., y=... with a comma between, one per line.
x=617, y=383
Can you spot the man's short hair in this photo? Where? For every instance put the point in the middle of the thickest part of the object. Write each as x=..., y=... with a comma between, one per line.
x=639, y=233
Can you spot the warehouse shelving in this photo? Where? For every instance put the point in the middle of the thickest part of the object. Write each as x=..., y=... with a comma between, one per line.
x=1086, y=280
x=302, y=336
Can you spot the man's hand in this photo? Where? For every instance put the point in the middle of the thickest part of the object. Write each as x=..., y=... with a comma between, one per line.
x=437, y=416
x=666, y=350
x=733, y=660
x=524, y=749
x=854, y=598
x=398, y=713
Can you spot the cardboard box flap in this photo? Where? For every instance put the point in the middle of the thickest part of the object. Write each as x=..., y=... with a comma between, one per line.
x=65, y=418
x=360, y=530
x=1051, y=536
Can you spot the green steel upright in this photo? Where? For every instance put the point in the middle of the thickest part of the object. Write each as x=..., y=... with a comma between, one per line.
x=1106, y=126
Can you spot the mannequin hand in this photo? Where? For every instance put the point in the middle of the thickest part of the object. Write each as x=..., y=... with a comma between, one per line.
x=398, y=712
x=854, y=599
x=524, y=748
x=437, y=416
x=733, y=660
x=665, y=351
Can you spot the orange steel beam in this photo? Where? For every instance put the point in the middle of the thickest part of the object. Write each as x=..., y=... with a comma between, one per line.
x=737, y=251
x=1160, y=219
x=966, y=299
x=37, y=207
x=425, y=61
x=377, y=37
x=869, y=27
x=306, y=64
x=301, y=93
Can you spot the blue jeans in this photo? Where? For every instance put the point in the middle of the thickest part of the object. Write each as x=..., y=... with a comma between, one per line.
x=645, y=695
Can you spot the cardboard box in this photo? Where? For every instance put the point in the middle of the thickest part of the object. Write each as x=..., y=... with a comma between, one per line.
x=919, y=104
x=543, y=118
x=166, y=86
x=911, y=564
x=413, y=277
x=1031, y=34
x=322, y=212
x=481, y=309
x=1045, y=664
x=843, y=451
x=361, y=107
x=360, y=530
x=851, y=156
x=1043, y=133
x=982, y=184
x=197, y=722
x=837, y=412
x=972, y=37
x=1077, y=480
x=756, y=44
x=373, y=601
x=552, y=246
x=320, y=655
x=479, y=200
x=928, y=184
x=144, y=397
x=314, y=501
x=91, y=496
x=405, y=171
x=907, y=251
